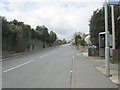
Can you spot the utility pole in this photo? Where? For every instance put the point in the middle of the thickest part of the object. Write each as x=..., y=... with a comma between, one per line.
x=107, y=65
x=113, y=27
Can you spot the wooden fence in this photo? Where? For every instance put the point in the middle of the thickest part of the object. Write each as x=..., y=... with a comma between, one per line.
x=116, y=54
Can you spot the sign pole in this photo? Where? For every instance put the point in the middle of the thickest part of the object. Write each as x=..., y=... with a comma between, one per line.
x=107, y=65
x=113, y=27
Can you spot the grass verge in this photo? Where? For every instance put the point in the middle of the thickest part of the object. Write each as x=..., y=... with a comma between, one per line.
x=112, y=61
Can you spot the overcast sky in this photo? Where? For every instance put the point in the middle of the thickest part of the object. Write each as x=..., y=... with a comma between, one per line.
x=65, y=17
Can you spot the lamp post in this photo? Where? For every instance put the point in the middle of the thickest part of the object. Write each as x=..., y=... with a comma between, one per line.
x=107, y=65
x=113, y=27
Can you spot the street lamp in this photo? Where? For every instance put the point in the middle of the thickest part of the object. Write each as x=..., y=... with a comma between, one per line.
x=107, y=64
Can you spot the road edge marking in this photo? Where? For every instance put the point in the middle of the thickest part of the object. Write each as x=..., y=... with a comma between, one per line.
x=44, y=56
x=17, y=66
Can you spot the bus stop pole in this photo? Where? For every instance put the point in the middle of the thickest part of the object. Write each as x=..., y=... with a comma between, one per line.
x=107, y=65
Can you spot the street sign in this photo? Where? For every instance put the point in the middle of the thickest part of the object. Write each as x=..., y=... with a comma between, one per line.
x=114, y=2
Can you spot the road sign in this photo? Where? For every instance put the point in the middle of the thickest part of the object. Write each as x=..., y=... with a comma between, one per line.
x=114, y=2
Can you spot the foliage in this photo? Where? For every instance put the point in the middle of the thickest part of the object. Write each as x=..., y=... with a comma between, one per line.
x=112, y=61
x=53, y=37
x=16, y=35
x=97, y=24
x=77, y=39
x=80, y=42
x=64, y=41
x=7, y=35
x=43, y=32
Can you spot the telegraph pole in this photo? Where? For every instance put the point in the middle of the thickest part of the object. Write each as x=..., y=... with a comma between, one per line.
x=107, y=65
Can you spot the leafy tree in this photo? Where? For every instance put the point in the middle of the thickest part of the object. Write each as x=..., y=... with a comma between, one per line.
x=97, y=24
x=80, y=42
x=43, y=31
x=77, y=39
x=16, y=36
x=64, y=41
x=53, y=37
x=7, y=35
x=35, y=35
x=117, y=26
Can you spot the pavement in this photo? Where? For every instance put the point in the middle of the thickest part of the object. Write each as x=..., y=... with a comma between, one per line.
x=86, y=75
x=60, y=67
x=100, y=65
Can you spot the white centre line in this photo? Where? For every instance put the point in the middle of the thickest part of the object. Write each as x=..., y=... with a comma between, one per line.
x=71, y=71
x=73, y=57
x=18, y=66
x=44, y=55
x=78, y=54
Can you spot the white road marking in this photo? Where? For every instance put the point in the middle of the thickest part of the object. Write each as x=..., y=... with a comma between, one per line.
x=18, y=66
x=44, y=55
x=71, y=71
x=85, y=54
x=10, y=58
x=73, y=57
x=78, y=54
x=17, y=54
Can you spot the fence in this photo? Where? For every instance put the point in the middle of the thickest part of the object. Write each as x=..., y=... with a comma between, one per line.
x=116, y=54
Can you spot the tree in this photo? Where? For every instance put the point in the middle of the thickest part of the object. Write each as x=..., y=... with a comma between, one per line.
x=35, y=35
x=16, y=36
x=97, y=24
x=77, y=39
x=53, y=37
x=80, y=42
x=117, y=26
x=43, y=31
x=22, y=35
x=64, y=41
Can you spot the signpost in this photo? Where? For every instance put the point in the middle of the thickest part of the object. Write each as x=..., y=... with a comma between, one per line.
x=107, y=64
x=110, y=2
x=113, y=27
x=113, y=2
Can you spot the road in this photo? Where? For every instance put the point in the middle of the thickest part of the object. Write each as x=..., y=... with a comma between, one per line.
x=52, y=68
x=47, y=69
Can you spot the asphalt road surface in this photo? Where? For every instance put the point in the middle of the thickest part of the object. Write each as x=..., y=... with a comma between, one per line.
x=52, y=68
x=47, y=69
